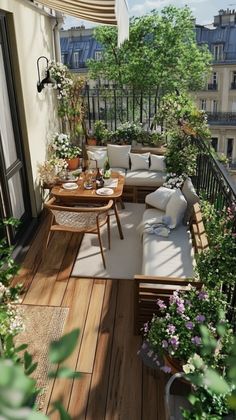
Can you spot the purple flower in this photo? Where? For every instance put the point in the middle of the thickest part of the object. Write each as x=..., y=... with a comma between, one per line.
x=170, y=329
x=174, y=341
x=202, y=295
x=166, y=369
x=180, y=308
x=161, y=304
x=189, y=325
x=200, y=318
x=145, y=327
x=196, y=340
x=174, y=298
x=164, y=344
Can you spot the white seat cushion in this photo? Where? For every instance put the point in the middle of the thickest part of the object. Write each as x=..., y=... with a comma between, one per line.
x=176, y=208
x=118, y=156
x=170, y=256
x=139, y=161
x=159, y=198
x=121, y=171
x=144, y=178
x=158, y=163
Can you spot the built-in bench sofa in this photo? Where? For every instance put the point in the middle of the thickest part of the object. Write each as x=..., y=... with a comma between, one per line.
x=163, y=270
x=144, y=169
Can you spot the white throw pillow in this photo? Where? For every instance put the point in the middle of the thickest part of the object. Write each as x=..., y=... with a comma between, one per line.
x=139, y=161
x=158, y=163
x=176, y=208
x=118, y=156
x=98, y=155
x=159, y=198
x=191, y=197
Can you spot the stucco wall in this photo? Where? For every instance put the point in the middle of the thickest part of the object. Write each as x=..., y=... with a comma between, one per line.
x=31, y=35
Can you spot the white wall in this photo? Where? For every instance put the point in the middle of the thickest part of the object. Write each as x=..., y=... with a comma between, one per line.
x=31, y=36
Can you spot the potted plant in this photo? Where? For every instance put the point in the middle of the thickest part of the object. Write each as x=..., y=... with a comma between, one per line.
x=100, y=135
x=127, y=133
x=61, y=147
x=175, y=332
x=51, y=171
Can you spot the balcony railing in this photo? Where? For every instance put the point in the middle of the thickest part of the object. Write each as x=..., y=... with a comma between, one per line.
x=213, y=180
x=222, y=118
x=212, y=86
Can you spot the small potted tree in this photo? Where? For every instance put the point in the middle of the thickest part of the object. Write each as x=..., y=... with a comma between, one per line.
x=62, y=147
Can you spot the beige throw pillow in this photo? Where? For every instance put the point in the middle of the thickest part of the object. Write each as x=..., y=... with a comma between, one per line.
x=158, y=163
x=159, y=198
x=176, y=208
x=139, y=161
x=118, y=156
x=98, y=155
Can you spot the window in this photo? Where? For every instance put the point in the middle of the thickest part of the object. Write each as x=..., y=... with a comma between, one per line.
x=203, y=104
x=233, y=83
x=98, y=55
x=214, y=143
x=214, y=106
x=76, y=59
x=229, y=151
x=218, y=52
x=214, y=78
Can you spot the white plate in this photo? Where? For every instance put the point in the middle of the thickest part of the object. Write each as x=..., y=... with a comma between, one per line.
x=104, y=191
x=70, y=186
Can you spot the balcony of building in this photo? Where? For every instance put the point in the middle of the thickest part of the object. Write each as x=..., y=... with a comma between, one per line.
x=222, y=118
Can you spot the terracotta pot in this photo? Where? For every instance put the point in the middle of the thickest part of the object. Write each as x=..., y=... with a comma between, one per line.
x=73, y=163
x=91, y=141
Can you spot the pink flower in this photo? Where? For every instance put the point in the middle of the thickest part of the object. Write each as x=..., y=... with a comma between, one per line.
x=170, y=329
x=161, y=304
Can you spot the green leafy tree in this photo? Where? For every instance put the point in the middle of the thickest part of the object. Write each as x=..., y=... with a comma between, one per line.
x=161, y=53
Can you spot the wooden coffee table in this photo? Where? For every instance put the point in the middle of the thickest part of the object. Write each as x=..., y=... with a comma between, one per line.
x=81, y=195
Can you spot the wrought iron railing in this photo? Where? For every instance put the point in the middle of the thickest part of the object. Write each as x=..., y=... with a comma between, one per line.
x=213, y=180
x=222, y=118
x=212, y=86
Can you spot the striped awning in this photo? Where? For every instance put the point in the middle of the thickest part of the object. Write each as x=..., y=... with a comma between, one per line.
x=110, y=12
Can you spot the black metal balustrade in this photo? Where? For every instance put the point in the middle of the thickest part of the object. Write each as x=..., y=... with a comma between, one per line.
x=222, y=118
x=212, y=86
x=213, y=180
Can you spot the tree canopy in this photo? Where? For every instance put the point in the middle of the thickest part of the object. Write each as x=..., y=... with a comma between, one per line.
x=161, y=53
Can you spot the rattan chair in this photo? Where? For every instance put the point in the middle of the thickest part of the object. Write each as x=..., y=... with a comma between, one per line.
x=72, y=218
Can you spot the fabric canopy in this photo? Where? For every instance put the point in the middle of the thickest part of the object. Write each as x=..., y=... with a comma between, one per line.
x=110, y=12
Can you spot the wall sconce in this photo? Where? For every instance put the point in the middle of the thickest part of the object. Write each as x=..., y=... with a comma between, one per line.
x=48, y=80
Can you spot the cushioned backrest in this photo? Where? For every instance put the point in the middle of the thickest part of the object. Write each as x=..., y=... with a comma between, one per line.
x=139, y=161
x=191, y=197
x=176, y=208
x=158, y=163
x=118, y=156
x=159, y=198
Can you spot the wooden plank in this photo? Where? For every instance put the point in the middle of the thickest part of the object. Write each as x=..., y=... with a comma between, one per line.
x=153, y=388
x=99, y=385
x=90, y=334
x=77, y=298
x=43, y=289
x=32, y=259
x=124, y=391
x=79, y=397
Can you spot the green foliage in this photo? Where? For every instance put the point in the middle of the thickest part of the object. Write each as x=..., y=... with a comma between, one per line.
x=165, y=41
x=62, y=349
x=217, y=265
x=101, y=133
x=214, y=389
x=181, y=155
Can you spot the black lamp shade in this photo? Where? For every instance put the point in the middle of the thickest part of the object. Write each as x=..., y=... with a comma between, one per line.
x=48, y=80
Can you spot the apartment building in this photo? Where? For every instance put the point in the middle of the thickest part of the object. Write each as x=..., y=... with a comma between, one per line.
x=218, y=98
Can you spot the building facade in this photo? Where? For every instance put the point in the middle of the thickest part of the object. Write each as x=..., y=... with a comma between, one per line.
x=218, y=98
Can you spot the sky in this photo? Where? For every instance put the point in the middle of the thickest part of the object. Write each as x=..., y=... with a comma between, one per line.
x=203, y=10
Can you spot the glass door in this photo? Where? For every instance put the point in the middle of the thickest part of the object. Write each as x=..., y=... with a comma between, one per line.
x=14, y=197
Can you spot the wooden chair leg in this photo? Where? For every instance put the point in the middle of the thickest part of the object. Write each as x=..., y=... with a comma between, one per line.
x=101, y=248
x=48, y=238
x=109, y=231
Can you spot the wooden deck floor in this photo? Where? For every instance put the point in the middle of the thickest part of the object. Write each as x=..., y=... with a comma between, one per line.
x=114, y=384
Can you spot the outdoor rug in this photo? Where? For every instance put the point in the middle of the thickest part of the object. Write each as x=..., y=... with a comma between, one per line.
x=124, y=259
x=43, y=324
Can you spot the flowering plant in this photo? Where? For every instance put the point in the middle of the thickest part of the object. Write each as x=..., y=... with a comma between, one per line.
x=51, y=169
x=174, y=181
x=62, y=76
x=61, y=147
x=176, y=330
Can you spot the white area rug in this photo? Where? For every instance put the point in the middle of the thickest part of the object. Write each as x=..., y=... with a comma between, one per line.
x=124, y=259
